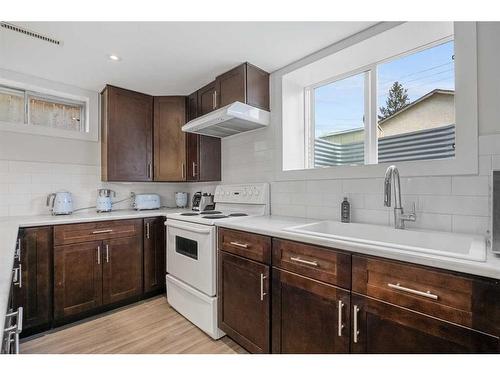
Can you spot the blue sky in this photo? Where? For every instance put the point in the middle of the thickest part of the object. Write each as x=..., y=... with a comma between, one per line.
x=340, y=105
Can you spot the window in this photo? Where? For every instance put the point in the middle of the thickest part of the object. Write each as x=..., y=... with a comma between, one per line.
x=41, y=110
x=413, y=94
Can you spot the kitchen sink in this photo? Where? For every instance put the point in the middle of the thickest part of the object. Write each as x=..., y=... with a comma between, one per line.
x=453, y=245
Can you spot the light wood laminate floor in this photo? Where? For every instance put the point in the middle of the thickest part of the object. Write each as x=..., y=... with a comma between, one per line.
x=148, y=327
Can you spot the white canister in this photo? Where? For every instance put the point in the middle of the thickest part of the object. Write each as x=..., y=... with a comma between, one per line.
x=181, y=199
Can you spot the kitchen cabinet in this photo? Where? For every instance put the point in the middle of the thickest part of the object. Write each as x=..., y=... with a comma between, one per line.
x=203, y=153
x=154, y=254
x=207, y=98
x=169, y=139
x=379, y=327
x=126, y=135
x=100, y=269
x=308, y=316
x=246, y=84
x=244, y=301
x=34, y=291
x=77, y=278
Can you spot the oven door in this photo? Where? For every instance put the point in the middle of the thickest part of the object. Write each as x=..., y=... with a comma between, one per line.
x=191, y=254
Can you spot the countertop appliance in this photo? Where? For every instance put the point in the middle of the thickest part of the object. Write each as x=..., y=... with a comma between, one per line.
x=104, y=202
x=60, y=203
x=192, y=251
x=203, y=201
x=229, y=120
x=196, y=201
x=146, y=201
x=181, y=199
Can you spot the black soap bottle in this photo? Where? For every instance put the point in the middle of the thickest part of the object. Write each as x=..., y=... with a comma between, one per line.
x=345, y=211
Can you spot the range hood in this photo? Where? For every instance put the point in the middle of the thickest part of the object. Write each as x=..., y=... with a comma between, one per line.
x=232, y=119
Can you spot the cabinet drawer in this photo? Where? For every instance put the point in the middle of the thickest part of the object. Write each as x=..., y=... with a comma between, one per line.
x=460, y=299
x=316, y=262
x=247, y=245
x=95, y=231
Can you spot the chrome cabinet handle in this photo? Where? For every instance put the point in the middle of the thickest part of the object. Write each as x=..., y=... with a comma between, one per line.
x=214, y=100
x=102, y=231
x=355, y=324
x=98, y=254
x=147, y=230
x=18, y=276
x=150, y=170
x=18, y=250
x=340, y=324
x=426, y=294
x=107, y=253
x=308, y=262
x=15, y=330
x=262, y=294
x=194, y=169
x=239, y=244
x=183, y=171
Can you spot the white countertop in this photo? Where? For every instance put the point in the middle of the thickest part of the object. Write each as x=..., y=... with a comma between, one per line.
x=9, y=227
x=274, y=226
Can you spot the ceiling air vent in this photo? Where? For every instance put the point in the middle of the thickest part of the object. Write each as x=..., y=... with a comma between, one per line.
x=30, y=33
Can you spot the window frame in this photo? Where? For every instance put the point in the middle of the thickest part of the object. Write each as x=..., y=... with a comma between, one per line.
x=370, y=102
x=58, y=93
x=284, y=101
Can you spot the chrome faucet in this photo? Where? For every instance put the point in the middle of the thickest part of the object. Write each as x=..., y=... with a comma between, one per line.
x=392, y=174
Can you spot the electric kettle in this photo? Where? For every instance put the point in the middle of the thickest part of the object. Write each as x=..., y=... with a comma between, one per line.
x=60, y=203
x=104, y=202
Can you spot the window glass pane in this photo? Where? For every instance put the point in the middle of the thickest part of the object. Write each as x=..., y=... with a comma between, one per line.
x=43, y=112
x=11, y=105
x=339, y=122
x=416, y=98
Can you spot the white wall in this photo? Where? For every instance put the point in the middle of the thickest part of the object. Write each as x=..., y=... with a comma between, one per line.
x=450, y=203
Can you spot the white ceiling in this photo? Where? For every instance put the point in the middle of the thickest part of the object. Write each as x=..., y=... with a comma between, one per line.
x=162, y=58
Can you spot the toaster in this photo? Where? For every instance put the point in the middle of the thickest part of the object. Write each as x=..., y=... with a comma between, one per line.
x=146, y=201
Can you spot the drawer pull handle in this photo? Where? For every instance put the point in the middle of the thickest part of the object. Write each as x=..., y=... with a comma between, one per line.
x=262, y=293
x=355, y=333
x=239, y=244
x=340, y=324
x=308, y=262
x=18, y=276
x=98, y=255
x=102, y=231
x=107, y=253
x=427, y=294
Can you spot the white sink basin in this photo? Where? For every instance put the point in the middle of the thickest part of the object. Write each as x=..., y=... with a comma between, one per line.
x=454, y=245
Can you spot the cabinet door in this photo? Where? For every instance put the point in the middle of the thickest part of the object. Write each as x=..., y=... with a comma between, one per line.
x=77, y=278
x=192, y=156
x=207, y=99
x=307, y=315
x=169, y=139
x=243, y=311
x=34, y=293
x=231, y=86
x=192, y=106
x=122, y=269
x=378, y=327
x=154, y=254
x=209, y=158
x=127, y=135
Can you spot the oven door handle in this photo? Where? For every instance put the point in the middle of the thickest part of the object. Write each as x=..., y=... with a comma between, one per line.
x=191, y=229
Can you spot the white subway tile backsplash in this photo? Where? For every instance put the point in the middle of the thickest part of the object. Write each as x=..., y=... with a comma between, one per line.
x=324, y=186
x=439, y=222
x=495, y=162
x=470, y=224
x=288, y=210
x=489, y=144
x=380, y=217
x=363, y=186
x=455, y=205
x=470, y=185
x=426, y=185
x=485, y=165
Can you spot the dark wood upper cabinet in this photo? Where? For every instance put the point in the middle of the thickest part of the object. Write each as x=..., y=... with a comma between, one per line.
x=207, y=98
x=244, y=301
x=122, y=269
x=127, y=135
x=307, y=314
x=77, y=278
x=34, y=292
x=246, y=83
x=192, y=106
x=384, y=328
x=154, y=254
x=169, y=139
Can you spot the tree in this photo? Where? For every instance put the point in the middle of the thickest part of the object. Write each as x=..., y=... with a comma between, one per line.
x=396, y=100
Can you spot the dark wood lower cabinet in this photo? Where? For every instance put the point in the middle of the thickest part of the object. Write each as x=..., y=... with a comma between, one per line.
x=388, y=329
x=154, y=254
x=34, y=293
x=77, y=278
x=306, y=315
x=244, y=301
x=122, y=269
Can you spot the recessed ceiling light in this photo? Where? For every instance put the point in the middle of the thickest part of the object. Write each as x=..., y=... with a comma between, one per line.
x=114, y=58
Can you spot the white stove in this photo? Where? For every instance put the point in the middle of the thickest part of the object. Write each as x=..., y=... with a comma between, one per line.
x=192, y=251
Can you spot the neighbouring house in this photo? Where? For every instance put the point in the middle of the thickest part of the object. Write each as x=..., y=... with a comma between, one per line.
x=433, y=110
